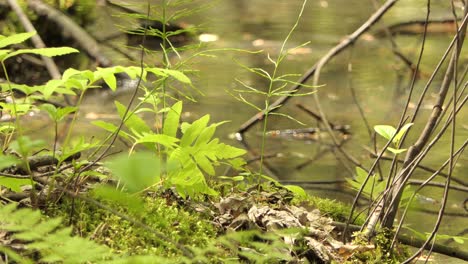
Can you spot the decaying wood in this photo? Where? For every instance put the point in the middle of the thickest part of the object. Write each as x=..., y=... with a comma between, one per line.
x=445, y=25
x=36, y=39
x=84, y=40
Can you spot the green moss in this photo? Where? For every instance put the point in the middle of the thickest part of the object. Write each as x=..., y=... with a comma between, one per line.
x=383, y=252
x=187, y=228
x=336, y=210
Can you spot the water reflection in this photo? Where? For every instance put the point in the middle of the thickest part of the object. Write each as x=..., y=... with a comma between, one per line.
x=369, y=69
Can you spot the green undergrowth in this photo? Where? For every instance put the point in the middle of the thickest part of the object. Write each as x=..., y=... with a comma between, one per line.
x=186, y=227
x=336, y=210
x=383, y=252
x=180, y=222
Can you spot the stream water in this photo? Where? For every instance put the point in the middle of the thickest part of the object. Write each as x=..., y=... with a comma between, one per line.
x=369, y=68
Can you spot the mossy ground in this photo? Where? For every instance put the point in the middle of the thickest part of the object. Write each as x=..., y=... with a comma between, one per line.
x=189, y=228
x=184, y=225
x=336, y=210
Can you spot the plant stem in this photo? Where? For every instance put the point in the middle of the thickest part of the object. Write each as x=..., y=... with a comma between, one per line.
x=272, y=79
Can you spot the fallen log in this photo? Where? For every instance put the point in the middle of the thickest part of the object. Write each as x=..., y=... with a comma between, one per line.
x=82, y=38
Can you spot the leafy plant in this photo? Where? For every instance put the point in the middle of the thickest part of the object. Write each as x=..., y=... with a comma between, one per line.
x=184, y=161
x=390, y=133
x=46, y=237
x=375, y=187
x=21, y=37
x=48, y=241
x=276, y=86
x=17, y=108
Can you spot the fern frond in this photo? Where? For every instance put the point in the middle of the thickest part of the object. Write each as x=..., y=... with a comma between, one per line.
x=47, y=238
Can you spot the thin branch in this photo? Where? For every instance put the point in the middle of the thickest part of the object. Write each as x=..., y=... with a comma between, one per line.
x=415, y=149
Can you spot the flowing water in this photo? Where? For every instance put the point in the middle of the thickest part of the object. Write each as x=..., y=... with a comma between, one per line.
x=377, y=77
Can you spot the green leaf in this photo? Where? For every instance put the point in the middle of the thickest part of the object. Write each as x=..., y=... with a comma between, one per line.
x=396, y=151
x=39, y=229
x=296, y=190
x=268, y=178
x=385, y=131
x=415, y=232
x=207, y=134
x=138, y=171
x=190, y=181
x=16, y=109
x=401, y=132
x=16, y=39
x=133, y=72
x=25, y=146
x=47, y=241
x=70, y=72
x=361, y=173
x=181, y=77
x=128, y=201
x=205, y=164
x=77, y=146
x=459, y=240
x=237, y=163
x=13, y=183
x=229, y=152
x=164, y=140
x=8, y=161
x=232, y=178
x=171, y=124
x=64, y=111
x=15, y=257
x=111, y=128
x=48, y=52
x=132, y=121
x=372, y=187
x=110, y=80
x=50, y=109
x=193, y=131
x=3, y=53
x=51, y=87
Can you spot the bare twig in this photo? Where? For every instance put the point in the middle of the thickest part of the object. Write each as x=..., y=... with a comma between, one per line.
x=422, y=167
x=415, y=149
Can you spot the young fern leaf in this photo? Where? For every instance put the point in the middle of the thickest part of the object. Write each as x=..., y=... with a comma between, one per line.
x=197, y=153
x=193, y=131
x=132, y=121
x=171, y=124
x=47, y=238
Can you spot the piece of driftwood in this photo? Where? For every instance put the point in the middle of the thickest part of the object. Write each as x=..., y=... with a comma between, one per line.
x=36, y=161
x=82, y=38
x=446, y=25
